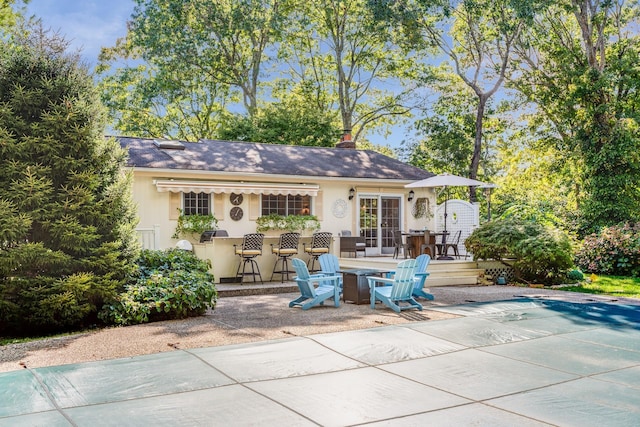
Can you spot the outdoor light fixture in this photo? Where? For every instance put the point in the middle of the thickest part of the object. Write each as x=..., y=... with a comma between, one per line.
x=352, y=193
x=411, y=194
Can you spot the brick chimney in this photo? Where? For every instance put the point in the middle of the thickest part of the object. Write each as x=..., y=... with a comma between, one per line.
x=345, y=140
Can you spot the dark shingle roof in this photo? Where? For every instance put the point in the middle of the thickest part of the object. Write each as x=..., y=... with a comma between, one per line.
x=248, y=157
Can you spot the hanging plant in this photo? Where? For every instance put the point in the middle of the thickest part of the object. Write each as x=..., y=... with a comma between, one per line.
x=422, y=208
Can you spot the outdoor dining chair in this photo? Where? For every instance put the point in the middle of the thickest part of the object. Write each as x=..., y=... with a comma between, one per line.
x=455, y=242
x=428, y=244
x=327, y=287
x=397, y=291
x=400, y=244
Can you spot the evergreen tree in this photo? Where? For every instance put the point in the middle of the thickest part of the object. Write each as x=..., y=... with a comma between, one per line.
x=67, y=240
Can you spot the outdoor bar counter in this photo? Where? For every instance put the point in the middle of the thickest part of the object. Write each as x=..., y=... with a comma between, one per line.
x=224, y=261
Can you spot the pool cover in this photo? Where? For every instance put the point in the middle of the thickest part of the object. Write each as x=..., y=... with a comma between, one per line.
x=525, y=362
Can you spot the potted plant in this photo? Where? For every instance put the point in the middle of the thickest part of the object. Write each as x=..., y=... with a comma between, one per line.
x=194, y=224
x=292, y=223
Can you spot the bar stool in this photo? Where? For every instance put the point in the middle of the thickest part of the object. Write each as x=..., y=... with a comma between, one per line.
x=320, y=244
x=287, y=246
x=250, y=249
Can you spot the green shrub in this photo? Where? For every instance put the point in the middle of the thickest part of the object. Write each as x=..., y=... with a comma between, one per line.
x=151, y=262
x=575, y=275
x=540, y=253
x=171, y=284
x=613, y=251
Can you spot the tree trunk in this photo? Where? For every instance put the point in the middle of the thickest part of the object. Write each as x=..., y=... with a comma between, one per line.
x=477, y=145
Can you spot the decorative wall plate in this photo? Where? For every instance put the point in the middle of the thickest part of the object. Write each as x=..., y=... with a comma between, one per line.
x=339, y=208
x=236, y=213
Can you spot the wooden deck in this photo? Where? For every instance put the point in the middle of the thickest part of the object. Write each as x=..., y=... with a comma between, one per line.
x=442, y=273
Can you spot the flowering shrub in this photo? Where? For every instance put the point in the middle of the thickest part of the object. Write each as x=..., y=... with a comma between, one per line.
x=614, y=251
x=171, y=284
x=540, y=253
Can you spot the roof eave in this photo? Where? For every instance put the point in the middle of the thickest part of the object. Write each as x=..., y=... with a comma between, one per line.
x=243, y=176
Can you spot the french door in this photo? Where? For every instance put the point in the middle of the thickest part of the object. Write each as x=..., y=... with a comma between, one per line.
x=378, y=217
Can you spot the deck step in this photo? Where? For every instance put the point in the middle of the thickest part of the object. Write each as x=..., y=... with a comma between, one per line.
x=452, y=281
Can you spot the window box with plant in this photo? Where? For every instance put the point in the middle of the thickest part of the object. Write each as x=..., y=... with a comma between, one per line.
x=291, y=223
x=192, y=226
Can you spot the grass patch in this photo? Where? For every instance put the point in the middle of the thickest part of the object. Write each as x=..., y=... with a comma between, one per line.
x=628, y=287
x=22, y=340
x=7, y=341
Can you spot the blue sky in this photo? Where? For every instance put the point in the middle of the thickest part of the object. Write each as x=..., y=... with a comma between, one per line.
x=87, y=24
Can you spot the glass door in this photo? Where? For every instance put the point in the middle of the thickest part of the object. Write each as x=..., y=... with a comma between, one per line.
x=390, y=216
x=379, y=216
x=369, y=222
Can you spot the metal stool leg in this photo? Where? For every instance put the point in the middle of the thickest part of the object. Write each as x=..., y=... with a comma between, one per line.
x=238, y=274
x=284, y=264
x=313, y=263
x=254, y=265
x=275, y=266
x=285, y=267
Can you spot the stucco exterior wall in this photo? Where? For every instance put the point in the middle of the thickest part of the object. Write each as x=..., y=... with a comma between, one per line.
x=158, y=211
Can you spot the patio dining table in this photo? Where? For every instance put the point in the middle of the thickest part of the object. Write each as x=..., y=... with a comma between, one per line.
x=417, y=239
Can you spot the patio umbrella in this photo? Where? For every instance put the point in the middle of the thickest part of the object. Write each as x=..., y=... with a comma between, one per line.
x=445, y=181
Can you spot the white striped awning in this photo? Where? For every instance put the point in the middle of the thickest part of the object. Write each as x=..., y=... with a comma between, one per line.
x=218, y=187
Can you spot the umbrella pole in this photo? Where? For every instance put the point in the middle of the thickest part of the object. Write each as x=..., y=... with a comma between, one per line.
x=446, y=199
x=444, y=256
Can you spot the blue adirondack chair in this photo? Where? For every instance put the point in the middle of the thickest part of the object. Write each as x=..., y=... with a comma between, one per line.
x=329, y=266
x=396, y=290
x=422, y=262
x=310, y=296
x=420, y=276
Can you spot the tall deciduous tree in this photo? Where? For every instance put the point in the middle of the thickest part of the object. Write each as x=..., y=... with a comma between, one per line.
x=476, y=36
x=190, y=62
x=67, y=240
x=579, y=66
x=187, y=63
x=446, y=134
x=351, y=61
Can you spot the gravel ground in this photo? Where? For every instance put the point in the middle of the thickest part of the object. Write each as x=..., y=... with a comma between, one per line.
x=252, y=318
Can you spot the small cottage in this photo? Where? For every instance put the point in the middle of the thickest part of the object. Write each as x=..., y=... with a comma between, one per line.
x=358, y=191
